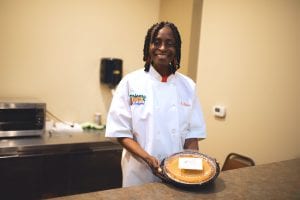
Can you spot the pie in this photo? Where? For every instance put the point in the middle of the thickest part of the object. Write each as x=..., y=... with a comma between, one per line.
x=188, y=176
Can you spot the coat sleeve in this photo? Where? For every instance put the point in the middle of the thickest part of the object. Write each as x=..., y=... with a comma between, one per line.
x=119, y=119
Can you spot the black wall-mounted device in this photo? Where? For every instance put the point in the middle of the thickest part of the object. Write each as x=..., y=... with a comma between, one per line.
x=111, y=70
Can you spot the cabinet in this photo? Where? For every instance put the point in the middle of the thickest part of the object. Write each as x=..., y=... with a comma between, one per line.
x=20, y=178
x=39, y=176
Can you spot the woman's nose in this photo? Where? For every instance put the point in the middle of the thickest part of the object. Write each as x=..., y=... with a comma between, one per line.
x=162, y=46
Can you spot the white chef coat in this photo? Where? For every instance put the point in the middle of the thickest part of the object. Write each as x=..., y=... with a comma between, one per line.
x=158, y=115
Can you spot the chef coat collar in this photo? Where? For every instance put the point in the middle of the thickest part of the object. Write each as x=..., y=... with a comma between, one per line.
x=157, y=76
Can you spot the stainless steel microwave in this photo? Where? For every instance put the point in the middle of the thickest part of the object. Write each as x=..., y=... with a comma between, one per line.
x=19, y=118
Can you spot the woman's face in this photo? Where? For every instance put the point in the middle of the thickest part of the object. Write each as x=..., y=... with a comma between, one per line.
x=162, y=49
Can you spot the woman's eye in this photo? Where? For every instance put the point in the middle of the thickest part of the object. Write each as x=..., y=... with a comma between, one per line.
x=157, y=43
x=167, y=44
x=170, y=44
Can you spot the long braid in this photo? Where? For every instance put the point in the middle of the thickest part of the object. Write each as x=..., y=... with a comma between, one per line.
x=147, y=42
x=152, y=33
x=176, y=64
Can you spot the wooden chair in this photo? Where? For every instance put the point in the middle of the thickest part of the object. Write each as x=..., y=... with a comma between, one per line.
x=235, y=161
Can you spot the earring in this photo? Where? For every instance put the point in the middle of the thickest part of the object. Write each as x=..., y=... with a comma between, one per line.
x=175, y=63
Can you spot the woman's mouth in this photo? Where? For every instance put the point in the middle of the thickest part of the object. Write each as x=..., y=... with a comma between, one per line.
x=162, y=56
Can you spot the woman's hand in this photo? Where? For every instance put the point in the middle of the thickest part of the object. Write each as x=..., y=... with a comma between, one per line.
x=134, y=148
x=152, y=162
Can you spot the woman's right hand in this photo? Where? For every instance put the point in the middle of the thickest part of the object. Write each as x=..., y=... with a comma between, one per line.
x=133, y=147
x=155, y=166
x=152, y=162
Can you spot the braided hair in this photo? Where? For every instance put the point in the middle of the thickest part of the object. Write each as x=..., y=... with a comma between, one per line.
x=149, y=39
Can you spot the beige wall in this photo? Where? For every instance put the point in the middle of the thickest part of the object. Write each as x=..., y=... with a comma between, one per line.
x=249, y=62
x=187, y=17
x=180, y=13
x=194, y=39
x=50, y=50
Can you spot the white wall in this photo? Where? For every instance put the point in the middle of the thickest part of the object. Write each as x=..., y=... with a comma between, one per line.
x=51, y=50
x=249, y=62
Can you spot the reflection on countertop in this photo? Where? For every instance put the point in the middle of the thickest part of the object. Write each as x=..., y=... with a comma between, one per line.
x=50, y=142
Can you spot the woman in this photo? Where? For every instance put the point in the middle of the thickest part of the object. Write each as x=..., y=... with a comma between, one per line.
x=155, y=112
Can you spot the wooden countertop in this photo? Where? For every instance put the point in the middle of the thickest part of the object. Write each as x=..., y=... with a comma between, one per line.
x=280, y=180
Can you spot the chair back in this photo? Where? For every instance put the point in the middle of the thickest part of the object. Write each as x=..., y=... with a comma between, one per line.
x=235, y=161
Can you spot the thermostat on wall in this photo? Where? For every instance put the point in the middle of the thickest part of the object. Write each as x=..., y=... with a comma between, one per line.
x=219, y=111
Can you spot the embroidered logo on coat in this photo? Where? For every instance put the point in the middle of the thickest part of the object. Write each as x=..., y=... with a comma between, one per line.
x=137, y=99
x=184, y=103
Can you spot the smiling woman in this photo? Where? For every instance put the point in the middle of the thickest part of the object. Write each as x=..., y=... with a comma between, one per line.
x=163, y=48
x=162, y=51
x=147, y=115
